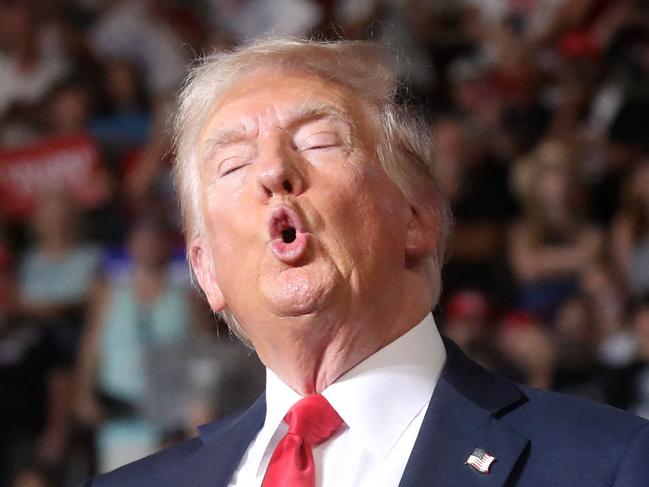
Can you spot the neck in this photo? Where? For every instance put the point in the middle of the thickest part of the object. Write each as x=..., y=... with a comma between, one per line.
x=322, y=348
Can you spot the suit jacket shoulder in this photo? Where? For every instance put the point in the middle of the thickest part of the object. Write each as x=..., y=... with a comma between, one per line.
x=570, y=437
x=135, y=473
x=537, y=438
x=207, y=460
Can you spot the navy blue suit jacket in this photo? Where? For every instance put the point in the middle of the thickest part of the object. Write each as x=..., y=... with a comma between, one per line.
x=539, y=439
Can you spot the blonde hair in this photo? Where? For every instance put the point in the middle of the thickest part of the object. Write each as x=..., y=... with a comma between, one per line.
x=404, y=145
x=551, y=154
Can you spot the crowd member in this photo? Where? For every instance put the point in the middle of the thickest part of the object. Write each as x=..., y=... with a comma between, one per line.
x=251, y=19
x=630, y=232
x=527, y=354
x=36, y=389
x=551, y=244
x=607, y=304
x=145, y=172
x=123, y=121
x=409, y=24
x=139, y=304
x=476, y=184
x=576, y=342
x=34, y=381
x=55, y=274
x=630, y=384
x=148, y=368
x=468, y=322
x=29, y=67
x=135, y=30
x=67, y=109
x=52, y=287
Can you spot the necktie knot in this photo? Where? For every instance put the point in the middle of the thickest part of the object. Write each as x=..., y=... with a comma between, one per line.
x=310, y=421
x=313, y=419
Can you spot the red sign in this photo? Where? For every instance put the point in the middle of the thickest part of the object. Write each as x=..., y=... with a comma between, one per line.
x=69, y=164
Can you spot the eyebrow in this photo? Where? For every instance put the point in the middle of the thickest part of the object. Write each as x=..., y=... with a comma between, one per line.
x=309, y=113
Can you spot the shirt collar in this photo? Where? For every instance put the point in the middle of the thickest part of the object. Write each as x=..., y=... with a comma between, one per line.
x=279, y=399
x=380, y=396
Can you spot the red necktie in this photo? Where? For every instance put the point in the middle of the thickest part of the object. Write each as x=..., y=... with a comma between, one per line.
x=310, y=421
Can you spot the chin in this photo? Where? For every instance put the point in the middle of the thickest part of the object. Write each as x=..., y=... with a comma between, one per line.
x=299, y=291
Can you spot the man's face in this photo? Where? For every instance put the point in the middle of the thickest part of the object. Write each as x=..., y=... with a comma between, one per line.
x=299, y=217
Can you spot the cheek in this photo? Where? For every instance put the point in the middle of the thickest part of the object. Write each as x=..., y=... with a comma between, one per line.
x=224, y=200
x=223, y=193
x=229, y=234
x=366, y=212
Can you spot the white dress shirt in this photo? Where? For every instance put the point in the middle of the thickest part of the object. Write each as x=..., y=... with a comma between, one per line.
x=382, y=401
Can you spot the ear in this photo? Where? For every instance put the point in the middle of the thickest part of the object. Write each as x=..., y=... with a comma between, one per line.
x=421, y=234
x=202, y=264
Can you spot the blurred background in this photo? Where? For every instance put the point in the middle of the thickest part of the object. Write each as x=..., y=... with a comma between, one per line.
x=540, y=112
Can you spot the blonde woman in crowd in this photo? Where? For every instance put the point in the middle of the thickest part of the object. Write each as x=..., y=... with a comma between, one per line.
x=552, y=243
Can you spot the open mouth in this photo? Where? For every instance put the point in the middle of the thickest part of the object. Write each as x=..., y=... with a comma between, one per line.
x=289, y=235
x=288, y=241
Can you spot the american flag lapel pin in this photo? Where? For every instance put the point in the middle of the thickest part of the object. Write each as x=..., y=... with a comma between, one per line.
x=480, y=461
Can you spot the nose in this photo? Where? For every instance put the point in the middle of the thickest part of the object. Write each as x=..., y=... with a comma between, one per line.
x=279, y=172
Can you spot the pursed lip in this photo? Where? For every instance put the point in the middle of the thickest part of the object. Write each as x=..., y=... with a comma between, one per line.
x=287, y=236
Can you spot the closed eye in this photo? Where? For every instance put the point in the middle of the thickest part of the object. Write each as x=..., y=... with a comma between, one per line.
x=320, y=146
x=320, y=141
x=232, y=165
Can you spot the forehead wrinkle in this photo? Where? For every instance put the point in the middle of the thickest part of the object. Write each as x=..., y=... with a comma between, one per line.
x=288, y=116
x=309, y=112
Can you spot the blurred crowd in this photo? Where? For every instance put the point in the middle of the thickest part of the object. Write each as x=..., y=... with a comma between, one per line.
x=540, y=113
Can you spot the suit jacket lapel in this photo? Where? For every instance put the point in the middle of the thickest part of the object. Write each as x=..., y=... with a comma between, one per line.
x=464, y=415
x=225, y=443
